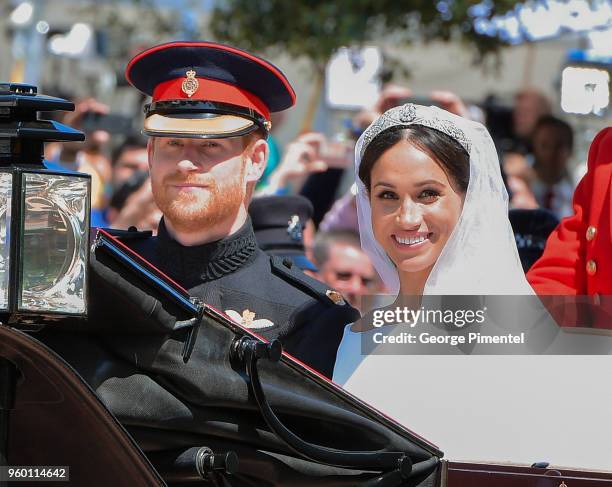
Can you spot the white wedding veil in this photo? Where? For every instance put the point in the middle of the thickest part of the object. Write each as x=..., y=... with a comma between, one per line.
x=480, y=256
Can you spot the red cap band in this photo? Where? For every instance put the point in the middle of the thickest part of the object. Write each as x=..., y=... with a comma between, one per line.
x=210, y=90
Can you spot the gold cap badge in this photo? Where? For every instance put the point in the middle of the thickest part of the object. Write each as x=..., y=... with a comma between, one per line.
x=335, y=296
x=190, y=84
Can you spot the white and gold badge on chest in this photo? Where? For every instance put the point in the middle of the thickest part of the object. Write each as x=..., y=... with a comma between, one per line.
x=247, y=319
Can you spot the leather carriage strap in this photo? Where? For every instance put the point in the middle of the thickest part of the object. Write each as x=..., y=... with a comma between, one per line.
x=397, y=466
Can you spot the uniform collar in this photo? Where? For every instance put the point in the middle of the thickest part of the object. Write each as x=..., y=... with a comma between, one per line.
x=209, y=261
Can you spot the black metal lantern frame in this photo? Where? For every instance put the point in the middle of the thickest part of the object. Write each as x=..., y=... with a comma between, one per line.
x=44, y=214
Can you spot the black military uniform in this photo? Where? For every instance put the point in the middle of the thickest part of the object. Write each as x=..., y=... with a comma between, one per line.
x=267, y=294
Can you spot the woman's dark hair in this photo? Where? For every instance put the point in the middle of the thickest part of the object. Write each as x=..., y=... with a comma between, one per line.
x=443, y=149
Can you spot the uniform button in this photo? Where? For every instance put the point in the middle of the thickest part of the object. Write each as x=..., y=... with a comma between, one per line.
x=590, y=233
x=591, y=267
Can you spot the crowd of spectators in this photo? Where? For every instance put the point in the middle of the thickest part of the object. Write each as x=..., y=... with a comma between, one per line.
x=535, y=150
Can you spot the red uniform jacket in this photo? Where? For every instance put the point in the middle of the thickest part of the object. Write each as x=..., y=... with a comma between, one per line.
x=577, y=259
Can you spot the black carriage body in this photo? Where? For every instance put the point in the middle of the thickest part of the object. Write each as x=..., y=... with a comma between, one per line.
x=183, y=380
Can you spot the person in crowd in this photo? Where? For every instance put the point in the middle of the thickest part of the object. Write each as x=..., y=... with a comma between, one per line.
x=530, y=104
x=344, y=266
x=274, y=157
x=92, y=154
x=302, y=157
x=519, y=176
x=433, y=213
x=128, y=158
x=205, y=158
x=576, y=259
x=133, y=205
x=89, y=158
x=531, y=229
x=343, y=214
x=552, y=145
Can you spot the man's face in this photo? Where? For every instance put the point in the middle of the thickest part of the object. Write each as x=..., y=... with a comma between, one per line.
x=198, y=183
x=349, y=270
x=131, y=160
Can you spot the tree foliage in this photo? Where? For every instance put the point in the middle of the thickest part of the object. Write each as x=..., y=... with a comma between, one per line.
x=316, y=28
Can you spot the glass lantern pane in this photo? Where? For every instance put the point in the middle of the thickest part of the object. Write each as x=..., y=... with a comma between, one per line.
x=6, y=184
x=55, y=243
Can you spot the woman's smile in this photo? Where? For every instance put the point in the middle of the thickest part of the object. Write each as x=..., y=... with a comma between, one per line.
x=411, y=242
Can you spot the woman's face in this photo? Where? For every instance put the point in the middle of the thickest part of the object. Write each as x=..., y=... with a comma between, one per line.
x=415, y=207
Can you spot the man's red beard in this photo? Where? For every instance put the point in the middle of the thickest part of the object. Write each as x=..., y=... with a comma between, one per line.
x=200, y=209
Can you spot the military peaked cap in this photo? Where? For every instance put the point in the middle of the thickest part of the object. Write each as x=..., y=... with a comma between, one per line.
x=278, y=222
x=207, y=90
